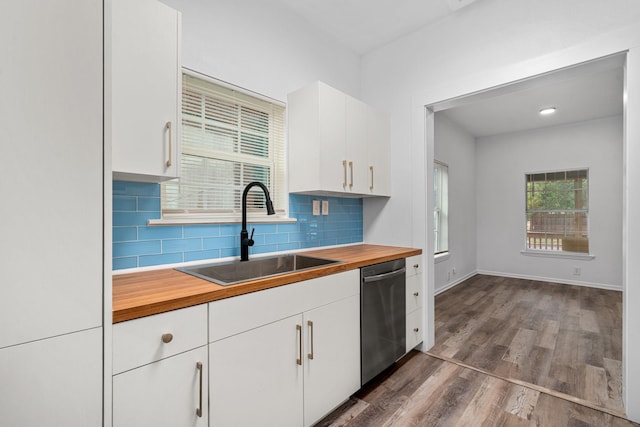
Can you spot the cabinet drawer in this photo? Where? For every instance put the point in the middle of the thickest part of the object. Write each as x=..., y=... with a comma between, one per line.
x=141, y=341
x=239, y=314
x=414, y=329
x=414, y=265
x=414, y=293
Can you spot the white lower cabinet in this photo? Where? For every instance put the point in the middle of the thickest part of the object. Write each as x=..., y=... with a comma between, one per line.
x=414, y=298
x=254, y=378
x=292, y=356
x=53, y=382
x=171, y=392
x=332, y=356
x=161, y=370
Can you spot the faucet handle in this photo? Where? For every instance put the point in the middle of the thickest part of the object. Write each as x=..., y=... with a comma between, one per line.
x=250, y=242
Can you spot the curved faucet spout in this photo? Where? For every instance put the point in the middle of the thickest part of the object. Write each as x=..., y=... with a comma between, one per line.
x=245, y=240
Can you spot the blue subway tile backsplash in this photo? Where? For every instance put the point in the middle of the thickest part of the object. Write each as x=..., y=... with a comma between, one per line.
x=135, y=244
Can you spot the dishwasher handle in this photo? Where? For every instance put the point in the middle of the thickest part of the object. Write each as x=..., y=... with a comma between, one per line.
x=378, y=277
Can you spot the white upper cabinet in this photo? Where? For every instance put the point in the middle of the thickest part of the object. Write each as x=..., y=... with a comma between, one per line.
x=51, y=113
x=379, y=171
x=143, y=80
x=338, y=145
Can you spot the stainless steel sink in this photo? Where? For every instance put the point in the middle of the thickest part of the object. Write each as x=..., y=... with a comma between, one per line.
x=230, y=273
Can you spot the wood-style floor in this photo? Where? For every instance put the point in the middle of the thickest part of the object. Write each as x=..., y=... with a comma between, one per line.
x=565, y=338
x=505, y=350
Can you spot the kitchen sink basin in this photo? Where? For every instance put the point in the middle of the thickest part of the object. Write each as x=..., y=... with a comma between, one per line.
x=230, y=273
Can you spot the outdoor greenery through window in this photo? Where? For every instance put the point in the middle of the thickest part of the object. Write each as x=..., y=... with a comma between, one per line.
x=440, y=208
x=229, y=139
x=558, y=211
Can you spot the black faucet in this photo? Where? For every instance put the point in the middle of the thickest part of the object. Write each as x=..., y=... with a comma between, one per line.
x=245, y=240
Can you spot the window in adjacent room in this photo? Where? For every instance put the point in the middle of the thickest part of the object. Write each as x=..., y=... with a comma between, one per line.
x=440, y=207
x=229, y=138
x=557, y=217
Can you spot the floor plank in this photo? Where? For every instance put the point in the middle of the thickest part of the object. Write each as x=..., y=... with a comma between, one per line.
x=424, y=391
x=556, y=336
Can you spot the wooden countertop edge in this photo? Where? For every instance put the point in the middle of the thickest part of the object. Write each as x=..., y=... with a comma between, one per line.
x=143, y=294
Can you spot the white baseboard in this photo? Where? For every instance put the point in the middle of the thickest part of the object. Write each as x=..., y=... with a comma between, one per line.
x=552, y=280
x=455, y=283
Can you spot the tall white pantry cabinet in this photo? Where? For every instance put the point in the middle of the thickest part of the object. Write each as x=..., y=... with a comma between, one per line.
x=51, y=215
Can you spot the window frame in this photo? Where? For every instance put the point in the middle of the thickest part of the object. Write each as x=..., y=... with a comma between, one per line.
x=278, y=169
x=584, y=210
x=438, y=229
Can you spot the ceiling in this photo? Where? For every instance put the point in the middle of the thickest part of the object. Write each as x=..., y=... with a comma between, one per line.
x=363, y=25
x=586, y=92
x=579, y=93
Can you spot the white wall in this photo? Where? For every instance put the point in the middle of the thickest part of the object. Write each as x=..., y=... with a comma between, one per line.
x=488, y=43
x=457, y=148
x=503, y=161
x=260, y=46
x=484, y=45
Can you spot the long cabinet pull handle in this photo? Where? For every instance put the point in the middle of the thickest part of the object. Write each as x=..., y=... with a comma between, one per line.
x=371, y=186
x=310, y=324
x=344, y=167
x=199, y=409
x=299, y=333
x=351, y=171
x=170, y=129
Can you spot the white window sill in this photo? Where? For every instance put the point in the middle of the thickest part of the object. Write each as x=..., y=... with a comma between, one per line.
x=441, y=257
x=558, y=254
x=253, y=219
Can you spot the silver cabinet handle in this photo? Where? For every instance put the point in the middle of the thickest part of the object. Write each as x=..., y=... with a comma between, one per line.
x=351, y=170
x=344, y=166
x=299, y=333
x=199, y=409
x=310, y=325
x=167, y=338
x=371, y=186
x=170, y=129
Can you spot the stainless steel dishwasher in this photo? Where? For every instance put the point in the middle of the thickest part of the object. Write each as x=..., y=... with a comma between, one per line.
x=382, y=316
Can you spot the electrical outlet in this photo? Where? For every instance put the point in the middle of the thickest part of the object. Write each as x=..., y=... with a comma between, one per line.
x=325, y=207
x=577, y=271
x=316, y=207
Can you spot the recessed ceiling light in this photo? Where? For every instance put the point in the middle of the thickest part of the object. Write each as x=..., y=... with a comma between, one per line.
x=547, y=111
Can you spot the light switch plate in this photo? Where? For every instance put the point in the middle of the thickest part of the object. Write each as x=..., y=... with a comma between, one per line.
x=325, y=207
x=316, y=207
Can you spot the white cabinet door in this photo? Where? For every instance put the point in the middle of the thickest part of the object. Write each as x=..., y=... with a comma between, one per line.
x=356, y=145
x=144, y=79
x=332, y=356
x=51, y=151
x=331, y=126
x=164, y=393
x=379, y=154
x=53, y=382
x=415, y=333
x=255, y=379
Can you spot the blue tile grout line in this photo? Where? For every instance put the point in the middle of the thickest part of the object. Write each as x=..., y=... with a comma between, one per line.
x=135, y=244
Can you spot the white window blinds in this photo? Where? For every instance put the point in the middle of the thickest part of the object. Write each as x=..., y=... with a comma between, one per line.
x=229, y=139
x=440, y=208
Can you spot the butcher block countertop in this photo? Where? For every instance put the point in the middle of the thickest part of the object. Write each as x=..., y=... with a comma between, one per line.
x=142, y=294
